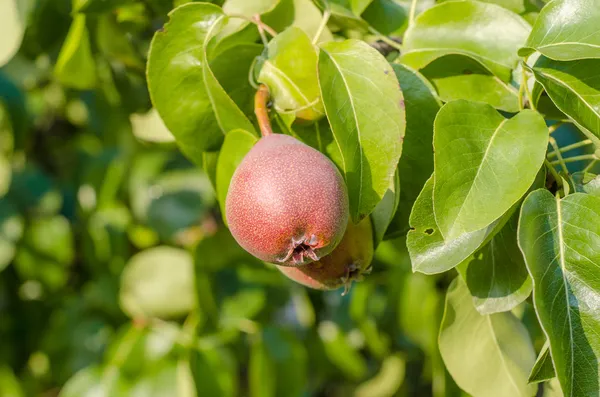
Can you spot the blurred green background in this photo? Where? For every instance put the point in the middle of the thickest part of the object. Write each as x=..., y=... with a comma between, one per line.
x=117, y=276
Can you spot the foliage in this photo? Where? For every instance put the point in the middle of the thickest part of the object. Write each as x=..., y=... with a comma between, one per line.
x=468, y=131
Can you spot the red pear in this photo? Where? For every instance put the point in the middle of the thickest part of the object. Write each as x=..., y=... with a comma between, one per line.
x=347, y=263
x=287, y=202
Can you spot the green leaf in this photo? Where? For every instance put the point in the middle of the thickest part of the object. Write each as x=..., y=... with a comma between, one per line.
x=543, y=369
x=288, y=354
x=237, y=144
x=46, y=251
x=98, y=6
x=386, y=16
x=559, y=239
x=495, y=347
x=429, y=252
x=9, y=383
x=484, y=164
x=566, y=30
x=586, y=183
x=362, y=101
x=516, y=6
x=11, y=29
x=215, y=372
x=231, y=68
x=5, y=175
x=416, y=164
x=461, y=77
x=290, y=72
x=339, y=352
x=183, y=88
x=307, y=17
x=158, y=282
x=75, y=66
x=95, y=382
x=387, y=381
x=242, y=306
x=261, y=368
x=420, y=311
x=384, y=211
x=359, y=6
x=574, y=87
x=496, y=275
x=114, y=42
x=150, y=127
x=487, y=33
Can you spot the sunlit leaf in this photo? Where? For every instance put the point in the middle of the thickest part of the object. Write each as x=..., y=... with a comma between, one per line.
x=183, y=88
x=566, y=30
x=488, y=355
x=486, y=32
x=484, y=164
x=362, y=100
x=560, y=240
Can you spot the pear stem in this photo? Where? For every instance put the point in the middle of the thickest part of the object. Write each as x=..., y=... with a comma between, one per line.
x=261, y=110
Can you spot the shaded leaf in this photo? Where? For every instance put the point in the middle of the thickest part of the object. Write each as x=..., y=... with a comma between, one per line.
x=416, y=164
x=496, y=275
x=363, y=103
x=386, y=16
x=566, y=30
x=487, y=33
x=543, y=369
x=43, y=258
x=574, y=87
x=461, y=77
x=384, y=211
x=215, y=372
x=586, y=183
x=262, y=376
x=559, y=239
x=484, y=164
x=500, y=352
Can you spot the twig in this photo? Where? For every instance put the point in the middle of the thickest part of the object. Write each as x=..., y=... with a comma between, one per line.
x=575, y=158
x=575, y=145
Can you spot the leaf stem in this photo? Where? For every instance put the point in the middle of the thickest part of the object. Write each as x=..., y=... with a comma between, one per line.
x=575, y=145
x=526, y=88
x=322, y=26
x=261, y=110
x=575, y=158
x=413, y=9
x=555, y=175
x=560, y=160
x=555, y=126
x=256, y=20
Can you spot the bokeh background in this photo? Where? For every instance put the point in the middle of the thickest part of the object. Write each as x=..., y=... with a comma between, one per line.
x=117, y=276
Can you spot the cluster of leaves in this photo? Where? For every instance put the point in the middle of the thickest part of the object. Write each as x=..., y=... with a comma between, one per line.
x=119, y=278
